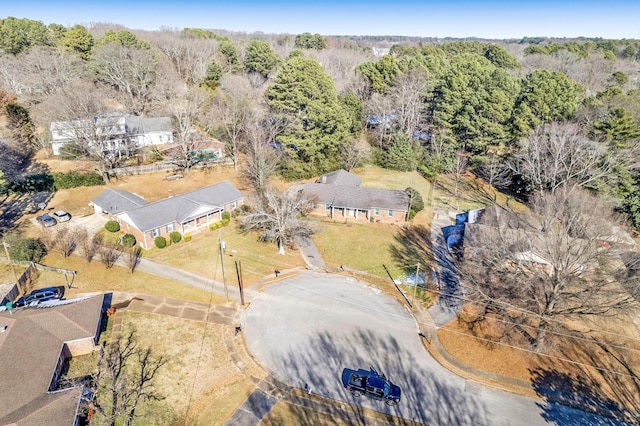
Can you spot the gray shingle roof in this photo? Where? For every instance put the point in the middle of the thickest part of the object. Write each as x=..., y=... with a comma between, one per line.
x=355, y=197
x=184, y=207
x=116, y=201
x=139, y=125
x=340, y=177
x=29, y=351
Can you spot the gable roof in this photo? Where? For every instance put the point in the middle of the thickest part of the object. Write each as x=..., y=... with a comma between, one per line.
x=116, y=201
x=29, y=351
x=184, y=207
x=356, y=197
x=340, y=177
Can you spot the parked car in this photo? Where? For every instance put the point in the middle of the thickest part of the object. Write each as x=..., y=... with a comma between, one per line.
x=41, y=295
x=61, y=216
x=46, y=220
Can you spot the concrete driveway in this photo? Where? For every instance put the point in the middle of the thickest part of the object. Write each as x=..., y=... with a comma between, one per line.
x=307, y=329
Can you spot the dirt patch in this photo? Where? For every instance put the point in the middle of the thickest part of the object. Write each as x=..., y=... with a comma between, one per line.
x=596, y=371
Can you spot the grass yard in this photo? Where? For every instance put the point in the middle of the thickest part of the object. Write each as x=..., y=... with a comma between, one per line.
x=94, y=277
x=201, y=255
x=200, y=375
x=363, y=247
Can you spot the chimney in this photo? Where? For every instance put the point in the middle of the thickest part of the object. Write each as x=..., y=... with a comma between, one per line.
x=323, y=179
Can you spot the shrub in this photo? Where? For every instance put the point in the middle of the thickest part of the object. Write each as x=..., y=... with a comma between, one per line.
x=25, y=249
x=175, y=237
x=236, y=212
x=224, y=222
x=245, y=208
x=226, y=215
x=112, y=226
x=167, y=240
x=160, y=242
x=187, y=237
x=128, y=240
x=76, y=179
x=214, y=226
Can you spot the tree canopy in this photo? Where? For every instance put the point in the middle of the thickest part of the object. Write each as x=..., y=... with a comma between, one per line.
x=260, y=58
x=319, y=124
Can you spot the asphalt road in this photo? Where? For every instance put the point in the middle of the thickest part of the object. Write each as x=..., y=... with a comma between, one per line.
x=307, y=329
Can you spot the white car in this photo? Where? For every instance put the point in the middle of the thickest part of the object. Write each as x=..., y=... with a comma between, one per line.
x=62, y=216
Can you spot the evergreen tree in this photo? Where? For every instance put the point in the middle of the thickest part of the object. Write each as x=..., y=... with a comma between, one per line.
x=319, y=123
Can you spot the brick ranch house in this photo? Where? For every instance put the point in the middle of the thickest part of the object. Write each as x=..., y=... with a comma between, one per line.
x=35, y=344
x=340, y=197
x=183, y=213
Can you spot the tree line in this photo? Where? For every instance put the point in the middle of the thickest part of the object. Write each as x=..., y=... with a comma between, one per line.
x=321, y=103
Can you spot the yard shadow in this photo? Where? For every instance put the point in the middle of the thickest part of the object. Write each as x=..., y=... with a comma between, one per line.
x=426, y=399
x=13, y=207
x=413, y=247
x=611, y=389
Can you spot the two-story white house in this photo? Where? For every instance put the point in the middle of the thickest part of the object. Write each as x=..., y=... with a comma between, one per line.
x=113, y=131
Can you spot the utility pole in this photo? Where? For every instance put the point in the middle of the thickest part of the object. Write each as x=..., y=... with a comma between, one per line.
x=240, y=283
x=415, y=285
x=13, y=267
x=224, y=276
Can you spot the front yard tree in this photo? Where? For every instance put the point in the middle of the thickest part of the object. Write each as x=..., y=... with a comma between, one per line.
x=277, y=218
x=546, y=269
x=125, y=378
x=319, y=125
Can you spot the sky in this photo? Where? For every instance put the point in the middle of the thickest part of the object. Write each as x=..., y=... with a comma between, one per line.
x=496, y=19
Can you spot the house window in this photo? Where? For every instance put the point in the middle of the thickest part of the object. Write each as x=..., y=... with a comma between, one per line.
x=234, y=205
x=155, y=232
x=327, y=206
x=170, y=227
x=390, y=213
x=376, y=212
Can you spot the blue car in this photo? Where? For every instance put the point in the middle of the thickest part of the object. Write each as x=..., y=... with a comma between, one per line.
x=41, y=295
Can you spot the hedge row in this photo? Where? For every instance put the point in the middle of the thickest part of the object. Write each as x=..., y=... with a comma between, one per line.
x=38, y=182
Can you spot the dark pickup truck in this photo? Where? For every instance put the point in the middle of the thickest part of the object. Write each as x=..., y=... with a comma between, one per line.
x=372, y=384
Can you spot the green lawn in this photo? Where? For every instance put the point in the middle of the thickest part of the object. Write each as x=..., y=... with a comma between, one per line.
x=201, y=255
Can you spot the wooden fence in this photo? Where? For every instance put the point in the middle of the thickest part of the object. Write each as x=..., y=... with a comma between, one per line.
x=164, y=167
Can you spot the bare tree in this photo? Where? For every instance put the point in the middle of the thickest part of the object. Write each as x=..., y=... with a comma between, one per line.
x=547, y=268
x=89, y=245
x=261, y=161
x=125, y=378
x=132, y=257
x=91, y=129
x=234, y=113
x=67, y=240
x=560, y=154
x=187, y=138
x=188, y=55
x=495, y=172
x=109, y=256
x=278, y=220
x=355, y=153
x=407, y=95
x=460, y=167
x=132, y=71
